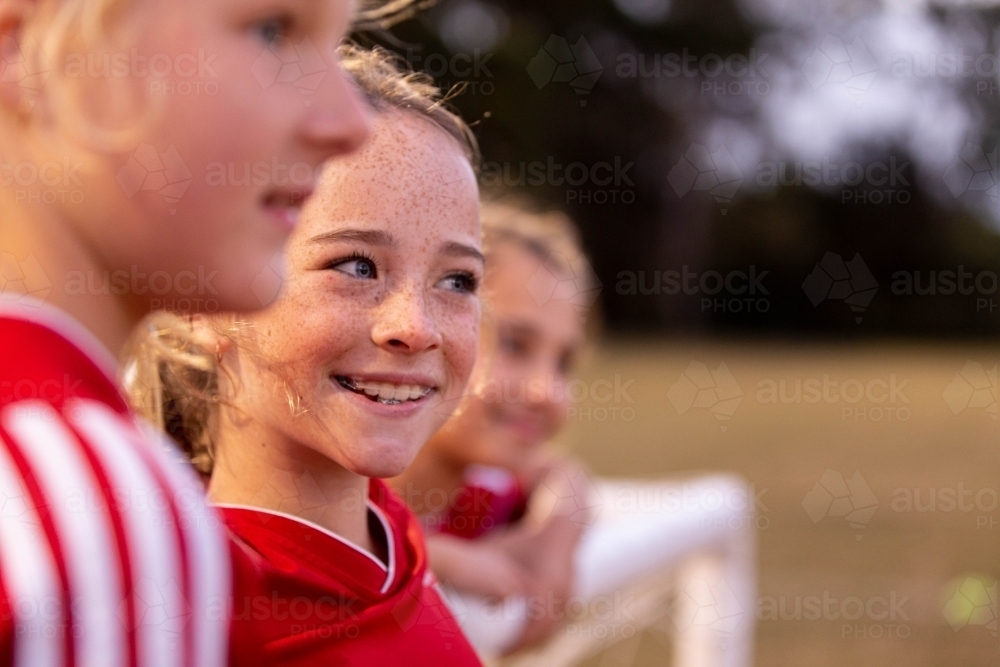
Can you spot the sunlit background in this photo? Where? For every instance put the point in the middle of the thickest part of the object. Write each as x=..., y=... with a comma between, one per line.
x=772, y=192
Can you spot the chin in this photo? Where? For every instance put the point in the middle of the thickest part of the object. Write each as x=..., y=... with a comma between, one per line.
x=384, y=460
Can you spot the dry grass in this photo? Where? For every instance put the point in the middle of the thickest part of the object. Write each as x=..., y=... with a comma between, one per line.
x=786, y=448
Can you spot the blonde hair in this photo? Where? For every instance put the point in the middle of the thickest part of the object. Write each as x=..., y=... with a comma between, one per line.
x=171, y=379
x=60, y=29
x=53, y=32
x=548, y=235
x=383, y=14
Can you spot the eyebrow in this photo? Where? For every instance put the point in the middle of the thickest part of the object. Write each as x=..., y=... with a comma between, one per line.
x=455, y=248
x=371, y=237
x=378, y=237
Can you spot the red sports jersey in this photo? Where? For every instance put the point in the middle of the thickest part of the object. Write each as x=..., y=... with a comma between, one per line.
x=329, y=602
x=109, y=556
x=491, y=498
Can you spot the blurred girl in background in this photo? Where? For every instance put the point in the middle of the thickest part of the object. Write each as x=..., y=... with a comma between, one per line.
x=511, y=519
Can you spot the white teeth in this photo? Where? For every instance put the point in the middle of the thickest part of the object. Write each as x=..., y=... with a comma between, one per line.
x=385, y=391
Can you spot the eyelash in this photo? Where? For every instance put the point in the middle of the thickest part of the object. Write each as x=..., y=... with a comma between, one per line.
x=471, y=285
x=472, y=282
x=356, y=257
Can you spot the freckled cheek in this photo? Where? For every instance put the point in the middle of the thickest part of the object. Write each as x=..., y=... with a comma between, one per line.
x=336, y=326
x=462, y=340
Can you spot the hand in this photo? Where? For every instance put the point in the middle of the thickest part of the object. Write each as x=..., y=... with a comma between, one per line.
x=548, y=553
x=563, y=489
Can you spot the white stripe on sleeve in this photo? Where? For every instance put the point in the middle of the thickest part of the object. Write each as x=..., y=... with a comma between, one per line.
x=91, y=554
x=30, y=574
x=154, y=553
x=208, y=552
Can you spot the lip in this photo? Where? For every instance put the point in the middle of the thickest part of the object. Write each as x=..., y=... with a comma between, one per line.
x=421, y=379
x=526, y=429
x=284, y=206
x=402, y=410
x=528, y=432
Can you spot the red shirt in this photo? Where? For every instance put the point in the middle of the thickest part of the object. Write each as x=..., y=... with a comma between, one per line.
x=327, y=602
x=491, y=498
x=109, y=556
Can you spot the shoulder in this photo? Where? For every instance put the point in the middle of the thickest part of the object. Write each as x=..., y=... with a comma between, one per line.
x=104, y=506
x=47, y=356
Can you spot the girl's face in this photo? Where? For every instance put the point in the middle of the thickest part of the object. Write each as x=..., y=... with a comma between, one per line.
x=232, y=107
x=522, y=401
x=376, y=330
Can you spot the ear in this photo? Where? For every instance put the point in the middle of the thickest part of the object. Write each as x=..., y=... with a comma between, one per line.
x=18, y=82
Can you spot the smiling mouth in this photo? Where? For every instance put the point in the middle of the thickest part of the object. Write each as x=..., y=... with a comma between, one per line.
x=385, y=393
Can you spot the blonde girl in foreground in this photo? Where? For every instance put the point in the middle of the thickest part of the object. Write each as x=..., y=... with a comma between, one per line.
x=296, y=413
x=511, y=519
x=109, y=555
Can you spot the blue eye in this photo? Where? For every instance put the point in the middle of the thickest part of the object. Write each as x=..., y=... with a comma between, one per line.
x=461, y=282
x=356, y=266
x=273, y=30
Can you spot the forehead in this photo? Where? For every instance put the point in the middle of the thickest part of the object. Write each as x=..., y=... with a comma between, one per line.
x=411, y=174
x=520, y=286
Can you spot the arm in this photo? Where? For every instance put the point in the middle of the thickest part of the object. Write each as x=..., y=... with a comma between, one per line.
x=476, y=566
x=546, y=542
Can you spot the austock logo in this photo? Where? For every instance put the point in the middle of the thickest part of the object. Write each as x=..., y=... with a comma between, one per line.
x=875, y=400
x=160, y=606
x=736, y=74
x=559, y=62
x=973, y=387
x=414, y=610
x=293, y=493
x=302, y=66
x=569, y=494
x=974, y=172
x=973, y=601
x=834, y=496
x=29, y=75
x=468, y=70
x=701, y=170
x=150, y=170
x=575, y=282
x=836, y=280
x=16, y=505
x=837, y=64
x=24, y=277
x=698, y=387
x=707, y=603
x=268, y=283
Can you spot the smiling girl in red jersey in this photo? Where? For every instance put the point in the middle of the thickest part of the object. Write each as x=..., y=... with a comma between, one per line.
x=298, y=411
x=109, y=556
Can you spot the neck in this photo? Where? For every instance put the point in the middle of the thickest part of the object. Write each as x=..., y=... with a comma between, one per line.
x=51, y=257
x=255, y=466
x=430, y=473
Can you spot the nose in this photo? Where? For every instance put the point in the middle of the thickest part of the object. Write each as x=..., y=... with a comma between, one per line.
x=338, y=120
x=404, y=324
x=544, y=389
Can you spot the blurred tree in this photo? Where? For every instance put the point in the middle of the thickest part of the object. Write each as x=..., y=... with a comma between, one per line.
x=600, y=108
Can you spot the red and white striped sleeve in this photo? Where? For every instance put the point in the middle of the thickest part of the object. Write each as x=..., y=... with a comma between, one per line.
x=109, y=555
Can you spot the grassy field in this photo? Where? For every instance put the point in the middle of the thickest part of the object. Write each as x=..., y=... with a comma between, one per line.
x=936, y=434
